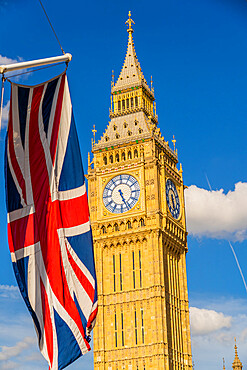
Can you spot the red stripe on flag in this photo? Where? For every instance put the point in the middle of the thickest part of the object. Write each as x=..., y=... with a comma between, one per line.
x=81, y=277
x=92, y=317
x=73, y=212
x=47, y=322
x=22, y=233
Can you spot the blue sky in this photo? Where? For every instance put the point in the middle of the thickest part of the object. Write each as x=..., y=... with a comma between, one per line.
x=196, y=52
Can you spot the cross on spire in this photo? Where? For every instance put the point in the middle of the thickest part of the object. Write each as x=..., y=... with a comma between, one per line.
x=129, y=22
x=94, y=132
x=174, y=143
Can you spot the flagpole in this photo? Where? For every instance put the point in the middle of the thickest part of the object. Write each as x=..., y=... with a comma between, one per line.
x=34, y=63
x=1, y=102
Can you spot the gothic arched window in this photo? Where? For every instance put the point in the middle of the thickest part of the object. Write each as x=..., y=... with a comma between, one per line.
x=142, y=223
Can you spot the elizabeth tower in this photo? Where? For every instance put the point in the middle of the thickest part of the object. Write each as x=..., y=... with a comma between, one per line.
x=136, y=198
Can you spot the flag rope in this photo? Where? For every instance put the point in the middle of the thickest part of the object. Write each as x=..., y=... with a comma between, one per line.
x=34, y=70
x=51, y=26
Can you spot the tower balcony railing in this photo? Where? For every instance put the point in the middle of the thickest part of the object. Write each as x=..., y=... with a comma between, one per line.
x=122, y=112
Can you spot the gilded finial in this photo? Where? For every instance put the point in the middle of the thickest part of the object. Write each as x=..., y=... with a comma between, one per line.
x=129, y=22
x=94, y=132
x=112, y=78
x=174, y=143
x=235, y=347
x=224, y=367
x=152, y=89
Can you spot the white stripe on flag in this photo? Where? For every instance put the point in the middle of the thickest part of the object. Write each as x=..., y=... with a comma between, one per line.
x=24, y=252
x=20, y=213
x=69, y=194
x=43, y=137
x=18, y=148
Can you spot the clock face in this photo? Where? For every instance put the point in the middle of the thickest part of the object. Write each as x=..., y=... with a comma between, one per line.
x=172, y=198
x=121, y=193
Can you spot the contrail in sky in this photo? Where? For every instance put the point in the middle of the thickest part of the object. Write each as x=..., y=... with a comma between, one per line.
x=240, y=270
x=208, y=182
x=235, y=256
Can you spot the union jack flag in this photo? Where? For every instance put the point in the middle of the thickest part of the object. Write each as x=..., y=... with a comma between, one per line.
x=49, y=231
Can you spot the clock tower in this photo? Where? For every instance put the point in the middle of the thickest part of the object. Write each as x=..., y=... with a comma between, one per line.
x=136, y=198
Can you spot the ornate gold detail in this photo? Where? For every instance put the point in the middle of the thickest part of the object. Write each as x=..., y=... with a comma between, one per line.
x=130, y=22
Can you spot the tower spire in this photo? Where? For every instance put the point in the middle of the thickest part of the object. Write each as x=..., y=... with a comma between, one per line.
x=131, y=74
x=237, y=364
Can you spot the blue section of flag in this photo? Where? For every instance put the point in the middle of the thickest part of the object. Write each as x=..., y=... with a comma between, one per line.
x=72, y=162
x=47, y=103
x=77, y=242
x=23, y=95
x=13, y=199
x=21, y=271
x=68, y=350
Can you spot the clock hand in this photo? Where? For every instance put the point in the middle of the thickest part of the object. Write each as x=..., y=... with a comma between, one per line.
x=121, y=193
x=173, y=202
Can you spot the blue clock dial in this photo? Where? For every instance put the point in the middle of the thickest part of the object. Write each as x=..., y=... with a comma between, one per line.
x=121, y=193
x=172, y=199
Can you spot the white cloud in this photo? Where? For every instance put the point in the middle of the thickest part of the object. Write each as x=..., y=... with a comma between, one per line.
x=210, y=347
x=205, y=321
x=7, y=291
x=7, y=353
x=5, y=114
x=8, y=287
x=217, y=215
x=18, y=74
x=6, y=60
x=9, y=365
